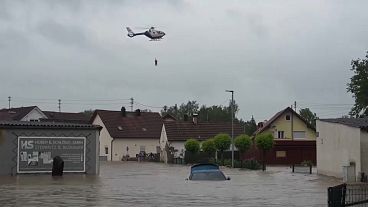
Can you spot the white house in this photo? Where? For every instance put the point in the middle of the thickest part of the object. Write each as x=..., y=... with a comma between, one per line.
x=342, y=145
x=29, y=113
x=127, y=133
x=175, y=133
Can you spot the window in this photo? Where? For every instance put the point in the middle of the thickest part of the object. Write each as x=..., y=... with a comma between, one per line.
x=106, y=150
x=299, y=134
x=280, y=134
x=287, y=117
x=142, y=148
x=280, y=154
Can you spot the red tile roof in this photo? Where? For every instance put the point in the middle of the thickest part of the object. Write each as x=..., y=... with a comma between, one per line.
x=277, y=115
x=146, y=125
x=53, y=116
x=15, y=114
x=183, y=130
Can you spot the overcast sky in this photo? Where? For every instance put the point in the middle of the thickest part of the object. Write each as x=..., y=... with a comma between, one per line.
x=271, y=53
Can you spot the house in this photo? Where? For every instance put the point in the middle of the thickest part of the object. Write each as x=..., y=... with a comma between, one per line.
x=29, y=113
x=295, y=139
x=342, y=147
x=127, y=133
x=175, y=133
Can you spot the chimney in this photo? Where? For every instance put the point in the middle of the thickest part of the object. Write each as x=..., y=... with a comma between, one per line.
x=195, y=119
x=138, y=112
x=123, y=111
x=259, y=125
x=185, y=117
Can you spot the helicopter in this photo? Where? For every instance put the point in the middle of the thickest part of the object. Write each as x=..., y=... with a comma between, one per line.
x=151, y=33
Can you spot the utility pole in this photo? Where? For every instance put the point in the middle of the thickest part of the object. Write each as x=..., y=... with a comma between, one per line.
x=59, y=103
x=131, y=104
x=9, y=100
x=232, y=127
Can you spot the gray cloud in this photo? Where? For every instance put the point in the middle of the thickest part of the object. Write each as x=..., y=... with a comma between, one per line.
x=271, y=54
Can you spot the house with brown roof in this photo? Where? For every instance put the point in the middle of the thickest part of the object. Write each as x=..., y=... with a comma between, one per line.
x=175, y=133
x=127, y=133
x=294, y=139
x=29, y=113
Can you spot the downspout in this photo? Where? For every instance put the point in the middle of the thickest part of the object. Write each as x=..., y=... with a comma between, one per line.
x=292, y=124
x=111, y=151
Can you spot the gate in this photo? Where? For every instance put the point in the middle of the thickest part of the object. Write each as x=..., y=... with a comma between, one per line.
x=348, y=195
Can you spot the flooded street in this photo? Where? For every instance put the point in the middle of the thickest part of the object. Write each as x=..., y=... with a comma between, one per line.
x=156, y=184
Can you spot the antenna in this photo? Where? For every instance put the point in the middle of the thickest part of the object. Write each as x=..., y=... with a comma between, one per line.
x=131, y=104
x=9, y=99
x=59, y=103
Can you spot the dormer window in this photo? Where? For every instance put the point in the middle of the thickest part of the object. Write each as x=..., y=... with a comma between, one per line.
x=287, y=117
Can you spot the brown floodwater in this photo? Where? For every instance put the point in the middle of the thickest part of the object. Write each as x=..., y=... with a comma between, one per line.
x=157, y=184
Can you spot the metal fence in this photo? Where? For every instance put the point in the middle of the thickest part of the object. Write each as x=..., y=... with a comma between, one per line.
x=348, y=195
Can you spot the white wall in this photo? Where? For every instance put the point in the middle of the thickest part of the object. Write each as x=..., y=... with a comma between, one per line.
x=105, y=138
x=163, y=141
x=120, y=146
x=364, y=151
x=337, y=145
x=35, y=114
x=178, y=145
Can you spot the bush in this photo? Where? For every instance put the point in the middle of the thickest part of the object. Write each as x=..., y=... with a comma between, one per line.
x=192, y=145
x=208, y=146
x=252, y=164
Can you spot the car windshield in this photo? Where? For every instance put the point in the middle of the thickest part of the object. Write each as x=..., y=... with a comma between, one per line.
x=208, y=175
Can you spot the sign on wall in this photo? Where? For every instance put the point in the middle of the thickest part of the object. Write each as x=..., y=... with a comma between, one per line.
x=35, y=154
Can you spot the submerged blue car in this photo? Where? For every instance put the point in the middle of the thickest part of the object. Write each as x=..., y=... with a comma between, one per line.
x=206, y=172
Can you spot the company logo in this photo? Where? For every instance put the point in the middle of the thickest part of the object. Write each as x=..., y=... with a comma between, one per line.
x=26, y=144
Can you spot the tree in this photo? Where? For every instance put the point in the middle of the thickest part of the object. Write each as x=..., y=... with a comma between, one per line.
x=308, y=116
x=188, y=109
x=192, y=145
x=358, y=86
x=208, y=146
x=88, y=113
x=222, y=143
x=205, y=113
x=264, y=142
x=242, y=142
x=250, y=127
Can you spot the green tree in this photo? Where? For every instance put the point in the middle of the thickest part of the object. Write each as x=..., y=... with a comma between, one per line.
x=205, y=113
x=209, y=147
x=250, y=127
x=222, y=143
x=308, y=116
x=243, y=143
x=358, y=86
x=188, y=109
x=264, y=142
x=192, y=145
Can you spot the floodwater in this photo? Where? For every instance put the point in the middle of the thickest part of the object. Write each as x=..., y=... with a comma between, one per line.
x=157, y=184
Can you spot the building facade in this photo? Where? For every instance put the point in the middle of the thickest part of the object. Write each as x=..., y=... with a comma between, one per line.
x=342, y=144
x=294, y=139
x=29, y=147
x=126, y=134
x=175, y=133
